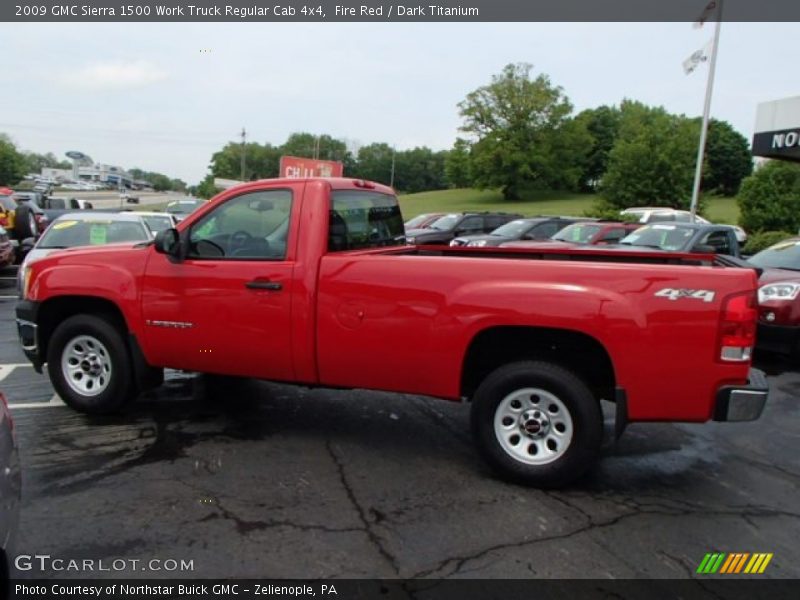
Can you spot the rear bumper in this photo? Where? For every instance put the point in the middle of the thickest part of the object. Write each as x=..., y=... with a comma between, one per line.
x=27, y=331
x=777, y=338
x=742, y=402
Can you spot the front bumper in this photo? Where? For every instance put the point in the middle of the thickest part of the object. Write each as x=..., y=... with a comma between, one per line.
x=27, y=331
x=742, y=402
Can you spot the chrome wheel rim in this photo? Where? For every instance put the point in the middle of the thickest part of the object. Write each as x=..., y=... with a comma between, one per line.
x=533, y=426
x=86, y=365
x=32, y=224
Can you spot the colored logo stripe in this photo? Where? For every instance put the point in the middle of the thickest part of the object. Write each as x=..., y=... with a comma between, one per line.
x=734, y=563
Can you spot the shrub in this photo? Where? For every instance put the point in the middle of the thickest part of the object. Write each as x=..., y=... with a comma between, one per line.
x=756, y=242
x=769, y=199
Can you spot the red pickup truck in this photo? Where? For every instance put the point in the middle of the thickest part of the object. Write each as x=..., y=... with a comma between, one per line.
x=310, y=281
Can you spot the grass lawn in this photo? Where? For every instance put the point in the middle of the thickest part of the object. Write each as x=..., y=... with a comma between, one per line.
x=720, y=210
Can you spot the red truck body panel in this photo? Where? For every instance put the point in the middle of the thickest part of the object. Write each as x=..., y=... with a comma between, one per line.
x=401, y=319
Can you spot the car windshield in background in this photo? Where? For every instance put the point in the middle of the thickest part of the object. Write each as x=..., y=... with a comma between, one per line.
x=182, y=207
x=665, y=237
x=445, y=223
x=417, y=221
x=157, y=223
x=785, y=255
x=512, y=229
x=578, y=233
x=73, y=233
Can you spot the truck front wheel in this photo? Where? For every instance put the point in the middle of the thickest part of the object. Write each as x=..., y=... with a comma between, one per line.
x=89, y=365
x=537, y=423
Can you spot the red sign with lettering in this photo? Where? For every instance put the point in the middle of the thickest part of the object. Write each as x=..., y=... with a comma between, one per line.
x=294, y=167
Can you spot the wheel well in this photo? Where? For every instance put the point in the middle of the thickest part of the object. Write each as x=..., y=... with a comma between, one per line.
x=578, y=352
x=54, y=311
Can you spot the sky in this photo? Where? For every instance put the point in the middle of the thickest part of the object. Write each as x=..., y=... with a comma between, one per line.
x=165, y=96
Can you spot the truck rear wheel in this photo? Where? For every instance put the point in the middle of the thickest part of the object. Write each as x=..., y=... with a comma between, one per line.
x=25, y=222
x=90, y=366
x=537, y=423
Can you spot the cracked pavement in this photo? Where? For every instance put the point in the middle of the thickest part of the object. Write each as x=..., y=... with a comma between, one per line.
x=252, y=479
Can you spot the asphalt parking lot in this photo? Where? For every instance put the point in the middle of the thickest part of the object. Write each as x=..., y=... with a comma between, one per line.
x=251, y=479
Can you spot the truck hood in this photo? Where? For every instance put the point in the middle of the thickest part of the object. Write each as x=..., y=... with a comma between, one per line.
x=101, y=252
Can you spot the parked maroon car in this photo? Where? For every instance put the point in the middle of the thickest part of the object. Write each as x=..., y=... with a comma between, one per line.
x=422, y=221
x=580, y=234
x=778, y=302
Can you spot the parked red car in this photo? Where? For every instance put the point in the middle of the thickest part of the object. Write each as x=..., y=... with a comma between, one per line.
x=309, y=281
x=779, y=297
x=580, y=234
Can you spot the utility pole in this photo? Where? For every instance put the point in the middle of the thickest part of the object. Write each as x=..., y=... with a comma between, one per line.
x=244, y=139
x=698, y=172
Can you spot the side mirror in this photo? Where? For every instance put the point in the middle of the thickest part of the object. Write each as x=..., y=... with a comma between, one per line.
x=704, y=249
x=168, y=242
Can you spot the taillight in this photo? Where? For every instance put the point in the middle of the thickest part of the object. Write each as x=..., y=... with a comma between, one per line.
x=737, y=327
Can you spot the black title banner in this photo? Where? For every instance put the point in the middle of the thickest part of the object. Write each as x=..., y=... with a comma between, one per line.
x=392, y=11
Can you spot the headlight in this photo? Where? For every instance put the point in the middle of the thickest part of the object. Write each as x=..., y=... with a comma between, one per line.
x=410, y=240
x=477, y=243
x=778, y=291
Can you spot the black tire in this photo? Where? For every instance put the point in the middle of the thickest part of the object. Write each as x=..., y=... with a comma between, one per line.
x=120, y=388
x=24, y=222
x=584, y=412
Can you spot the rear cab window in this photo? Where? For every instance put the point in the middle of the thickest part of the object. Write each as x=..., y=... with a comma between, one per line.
x=364, y=219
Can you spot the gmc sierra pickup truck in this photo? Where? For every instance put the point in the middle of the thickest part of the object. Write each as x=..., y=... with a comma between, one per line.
x=309, y=281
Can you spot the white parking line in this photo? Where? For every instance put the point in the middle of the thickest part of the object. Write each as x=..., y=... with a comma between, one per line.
x=6, y=370
x=14, y=296
x=54, y=401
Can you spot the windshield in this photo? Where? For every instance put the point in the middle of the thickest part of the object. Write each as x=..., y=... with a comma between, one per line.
x=577, y=233
x=664, y=237
x=71, y=233
x=785, y=255
x=513, y=229
x=157, y=223
x=181, y=207
x=416, y=221
x=445, y=223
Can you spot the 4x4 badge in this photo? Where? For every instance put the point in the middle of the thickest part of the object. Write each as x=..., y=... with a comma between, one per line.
x=675, y=294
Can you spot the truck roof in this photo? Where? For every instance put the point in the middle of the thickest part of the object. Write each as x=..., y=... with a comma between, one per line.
x=337, y=183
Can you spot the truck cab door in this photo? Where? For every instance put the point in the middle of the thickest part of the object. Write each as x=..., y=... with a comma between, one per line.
x=226, y=307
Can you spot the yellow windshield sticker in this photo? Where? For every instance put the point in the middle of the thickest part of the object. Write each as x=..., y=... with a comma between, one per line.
x=97, y=234
x=64, y=224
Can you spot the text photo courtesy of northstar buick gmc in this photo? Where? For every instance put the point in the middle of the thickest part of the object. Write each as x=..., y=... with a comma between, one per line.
x=310, y=281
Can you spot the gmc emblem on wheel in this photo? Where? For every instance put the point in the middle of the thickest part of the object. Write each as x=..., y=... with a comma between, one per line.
x=675, y=294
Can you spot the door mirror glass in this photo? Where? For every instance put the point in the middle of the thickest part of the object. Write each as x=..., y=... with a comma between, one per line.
x=168, y=242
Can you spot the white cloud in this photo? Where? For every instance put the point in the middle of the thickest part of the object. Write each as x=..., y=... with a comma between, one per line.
x=114, y=75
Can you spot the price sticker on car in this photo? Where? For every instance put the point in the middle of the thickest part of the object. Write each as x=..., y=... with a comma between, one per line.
x=97, y=234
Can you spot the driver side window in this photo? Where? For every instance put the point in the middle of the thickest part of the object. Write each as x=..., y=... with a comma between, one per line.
x=252, y=226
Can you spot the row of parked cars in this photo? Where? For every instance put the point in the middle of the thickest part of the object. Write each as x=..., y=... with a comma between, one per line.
x=656, y=230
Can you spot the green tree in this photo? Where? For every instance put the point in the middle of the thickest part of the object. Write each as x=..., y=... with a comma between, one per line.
x=12, y=163
x=206, y=188
x=261, y=161
x=522, y=134
x=324, y=147
x=419, y=169
x=374, y=163
x=457, y=165
x=602, y=123
x=728, y=159
x=652, y=160
x=769, y=200
x=34, y=163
